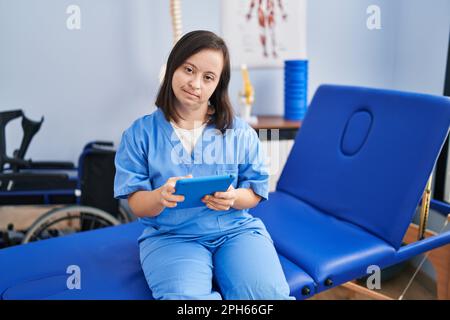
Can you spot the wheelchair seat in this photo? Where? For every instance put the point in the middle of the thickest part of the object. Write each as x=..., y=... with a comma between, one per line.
x=28, y=181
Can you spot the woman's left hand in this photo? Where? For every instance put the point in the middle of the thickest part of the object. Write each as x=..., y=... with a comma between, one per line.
x=221, y=201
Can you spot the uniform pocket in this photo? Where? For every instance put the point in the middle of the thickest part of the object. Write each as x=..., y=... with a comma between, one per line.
x=262, y=233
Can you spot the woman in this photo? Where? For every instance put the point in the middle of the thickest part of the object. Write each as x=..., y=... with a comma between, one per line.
x=218, y=250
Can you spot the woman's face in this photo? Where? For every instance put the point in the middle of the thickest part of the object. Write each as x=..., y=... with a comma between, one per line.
x=194, y=82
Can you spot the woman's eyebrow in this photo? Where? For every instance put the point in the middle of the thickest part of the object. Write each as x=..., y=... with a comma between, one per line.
x=195, y=67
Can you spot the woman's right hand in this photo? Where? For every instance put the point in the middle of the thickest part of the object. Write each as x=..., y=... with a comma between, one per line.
x=167, y=197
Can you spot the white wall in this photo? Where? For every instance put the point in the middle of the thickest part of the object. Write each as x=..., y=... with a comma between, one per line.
x=421, y=45
x=92, y=83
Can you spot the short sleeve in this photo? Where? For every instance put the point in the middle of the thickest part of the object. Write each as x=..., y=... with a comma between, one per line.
x=132, y=172
x=253, y=170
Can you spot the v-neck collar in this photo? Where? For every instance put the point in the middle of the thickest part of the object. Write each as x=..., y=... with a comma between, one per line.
x=175, y=140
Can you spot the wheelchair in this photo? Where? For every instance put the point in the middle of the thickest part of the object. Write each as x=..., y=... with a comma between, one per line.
x=83, y=193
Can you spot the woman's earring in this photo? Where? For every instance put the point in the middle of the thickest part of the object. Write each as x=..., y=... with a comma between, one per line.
x=211, y=110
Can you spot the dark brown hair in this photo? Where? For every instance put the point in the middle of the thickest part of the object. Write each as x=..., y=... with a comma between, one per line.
x=188, y=45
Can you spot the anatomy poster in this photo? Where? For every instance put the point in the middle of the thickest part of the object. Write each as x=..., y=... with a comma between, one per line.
x=264, y=33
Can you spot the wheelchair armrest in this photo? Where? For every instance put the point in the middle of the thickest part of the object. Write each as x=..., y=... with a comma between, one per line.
x=51, y=165
x=90, y=145
x=17, y=164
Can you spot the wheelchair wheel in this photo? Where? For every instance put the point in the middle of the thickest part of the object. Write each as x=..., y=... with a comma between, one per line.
x=68, y=220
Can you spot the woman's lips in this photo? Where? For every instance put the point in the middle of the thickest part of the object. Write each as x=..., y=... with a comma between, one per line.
x=191, y=94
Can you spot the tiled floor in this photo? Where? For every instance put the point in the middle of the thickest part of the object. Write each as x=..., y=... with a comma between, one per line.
x=21, y=216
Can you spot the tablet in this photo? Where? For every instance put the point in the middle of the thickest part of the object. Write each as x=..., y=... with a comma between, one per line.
x=194, y=189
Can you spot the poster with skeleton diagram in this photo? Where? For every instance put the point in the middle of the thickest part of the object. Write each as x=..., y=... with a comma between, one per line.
x=264, y=33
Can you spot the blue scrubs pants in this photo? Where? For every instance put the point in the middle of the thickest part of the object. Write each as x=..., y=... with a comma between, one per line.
x=243, y=265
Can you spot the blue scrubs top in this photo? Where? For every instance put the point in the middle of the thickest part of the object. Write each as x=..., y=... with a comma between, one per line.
x=150, y=152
